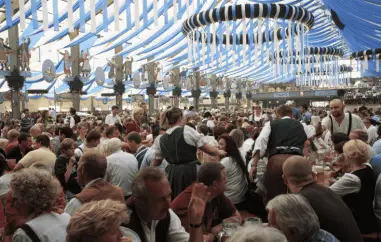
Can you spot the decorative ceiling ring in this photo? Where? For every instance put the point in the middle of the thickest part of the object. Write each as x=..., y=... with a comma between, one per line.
x=370, y=53
x=251, y=11
x=239, y=37
x=314, y=51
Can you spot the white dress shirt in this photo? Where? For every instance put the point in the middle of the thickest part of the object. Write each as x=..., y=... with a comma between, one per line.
x=372, y=134
x=263, y=139
x=210, y=124
x=72, y=122
x=309, y=129
x=191, y=137
x=111, y=119
x=122, y=167
x=176, y=232
x=49, y=227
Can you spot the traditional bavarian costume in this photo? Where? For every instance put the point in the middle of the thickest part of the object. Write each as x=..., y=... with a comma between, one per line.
x=286, y=138
x=178, y=146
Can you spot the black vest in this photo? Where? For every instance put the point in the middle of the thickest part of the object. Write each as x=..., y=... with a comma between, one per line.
x=161, y=231
x=174, y=148
x=286, y=135
x=361, y=203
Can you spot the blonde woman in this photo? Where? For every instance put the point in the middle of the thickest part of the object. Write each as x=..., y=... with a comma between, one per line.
x=357, y=186
x=135, y=123
x=99, y=221
x=178, y=146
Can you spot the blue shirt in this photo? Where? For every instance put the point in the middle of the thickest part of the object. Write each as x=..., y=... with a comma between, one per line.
x=323, y=236
x=377, y=147
x=376, y=164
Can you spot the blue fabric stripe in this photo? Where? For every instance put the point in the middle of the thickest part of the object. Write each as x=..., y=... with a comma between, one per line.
x=105, y=17
x=34, y=14
x=128, y=15
x=55, y=15
x=81, y=16
x=165, y=12
x=8, y=12
x=145, y=13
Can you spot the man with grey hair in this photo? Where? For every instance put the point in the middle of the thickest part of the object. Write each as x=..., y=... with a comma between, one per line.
x=258, y=234
x=328, y=206
x=294, y=216
x=359, y=134
x=150, y=214
x=122, y=167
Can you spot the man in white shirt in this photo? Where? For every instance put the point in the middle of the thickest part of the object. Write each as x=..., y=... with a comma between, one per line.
x=122, y=167
x=339, y=121
x=282, y=138
x=113, y=117
x=92, y=141
x=209, y=123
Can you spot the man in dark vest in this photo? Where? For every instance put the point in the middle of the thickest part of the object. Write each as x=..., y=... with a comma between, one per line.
x=91, y=171
x=150, y=216
x=334, y=215
x=134, y=141
x=281, y=139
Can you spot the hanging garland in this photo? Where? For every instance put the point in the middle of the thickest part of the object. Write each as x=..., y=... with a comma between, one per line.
x=196, y=93
x=15, y=80
x=213, y=94
x=119, y=88
x=38, y=91
x=238, y=95
x=176, y=91
x=151, y=89
x=76, y=85
x=227, y=94
x=366, y=55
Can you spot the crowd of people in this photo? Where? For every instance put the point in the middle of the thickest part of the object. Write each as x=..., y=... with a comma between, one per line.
x=184, y=175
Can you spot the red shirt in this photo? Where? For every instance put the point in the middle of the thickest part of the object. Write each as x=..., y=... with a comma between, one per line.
x=217, y=210
x=132, y=126
x=10, y=145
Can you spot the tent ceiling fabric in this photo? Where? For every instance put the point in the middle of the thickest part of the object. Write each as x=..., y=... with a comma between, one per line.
x=155, y=33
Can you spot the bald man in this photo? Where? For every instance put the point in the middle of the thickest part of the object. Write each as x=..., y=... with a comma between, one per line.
x=339, y=121
x=334, y=215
